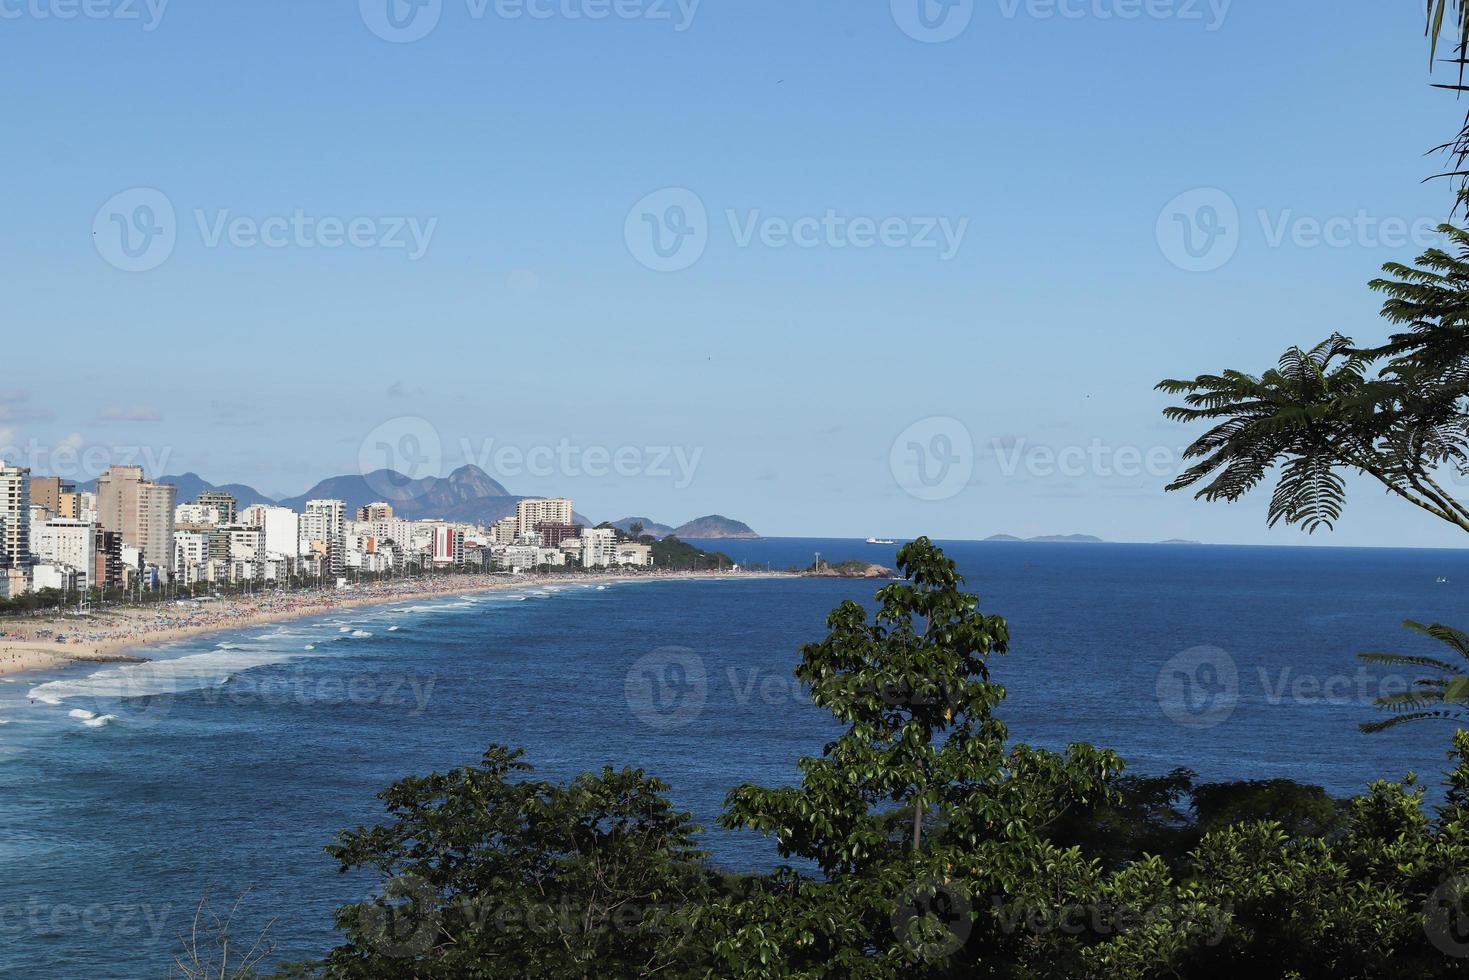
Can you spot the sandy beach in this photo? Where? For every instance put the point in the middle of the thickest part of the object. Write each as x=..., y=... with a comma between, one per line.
x=125, y=633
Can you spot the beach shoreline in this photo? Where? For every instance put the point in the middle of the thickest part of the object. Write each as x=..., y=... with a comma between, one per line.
x=122, y=635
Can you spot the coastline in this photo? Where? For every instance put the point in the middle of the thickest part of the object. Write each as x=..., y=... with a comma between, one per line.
x=122, y=635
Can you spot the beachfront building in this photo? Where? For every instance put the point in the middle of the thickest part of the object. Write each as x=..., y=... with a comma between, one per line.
x=529, y=513
x=448, y=546
x=503, y=531
x=598, y=547
x=632, y=553
x=15, y=516
x=139, y=510
x=246, y=561
x=62, y=578
x=66, y=542
x=191, y=556
x=323, y=531
x=282, y=527
x=522, y=557
x=553, y=534
x=107, y=570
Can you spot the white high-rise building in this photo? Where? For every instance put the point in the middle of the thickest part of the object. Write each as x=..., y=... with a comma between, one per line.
x=62, y=541
x=191, y=556
x=324, y=526
x=15, y=516
x=282, y=527
x=529, y=513
x=247, y=552
x=598, y=547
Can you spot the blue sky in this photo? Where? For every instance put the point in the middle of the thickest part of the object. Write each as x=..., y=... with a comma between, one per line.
x=784, y=373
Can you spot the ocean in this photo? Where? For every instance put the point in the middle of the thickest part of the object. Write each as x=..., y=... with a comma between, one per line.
x=131, y=794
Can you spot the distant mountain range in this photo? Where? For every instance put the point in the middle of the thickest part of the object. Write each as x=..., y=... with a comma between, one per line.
x=1073, y=539
x=468, y=495
x=713, y=526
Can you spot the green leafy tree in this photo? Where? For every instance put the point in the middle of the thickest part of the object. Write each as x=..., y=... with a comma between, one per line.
x=487, y=873
x=923, y=823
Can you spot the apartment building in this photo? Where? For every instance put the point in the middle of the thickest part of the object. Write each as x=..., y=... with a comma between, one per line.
x=15, y=516
x=529, y=513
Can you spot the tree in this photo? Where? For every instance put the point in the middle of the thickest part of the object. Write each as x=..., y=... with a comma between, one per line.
x=922, y=821
x=1440, y=698
x=488, y=873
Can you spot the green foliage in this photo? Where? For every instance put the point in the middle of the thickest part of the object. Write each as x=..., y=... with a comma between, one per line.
x=487, y=873
x=1442, y=697
x=672, y=553
x=1398, y=413
x=918, y=814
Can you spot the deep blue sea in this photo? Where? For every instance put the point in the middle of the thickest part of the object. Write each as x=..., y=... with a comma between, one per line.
x=129, y=794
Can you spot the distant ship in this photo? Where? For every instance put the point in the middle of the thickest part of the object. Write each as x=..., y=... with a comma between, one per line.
x=880, y=541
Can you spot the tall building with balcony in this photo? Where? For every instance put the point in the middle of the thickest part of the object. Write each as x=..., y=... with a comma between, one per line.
x=223, y=503
x=529, y=513
x=448, y=546
x=69, y=543
x=325, y=524
x=15, y=516
x=139, y=510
